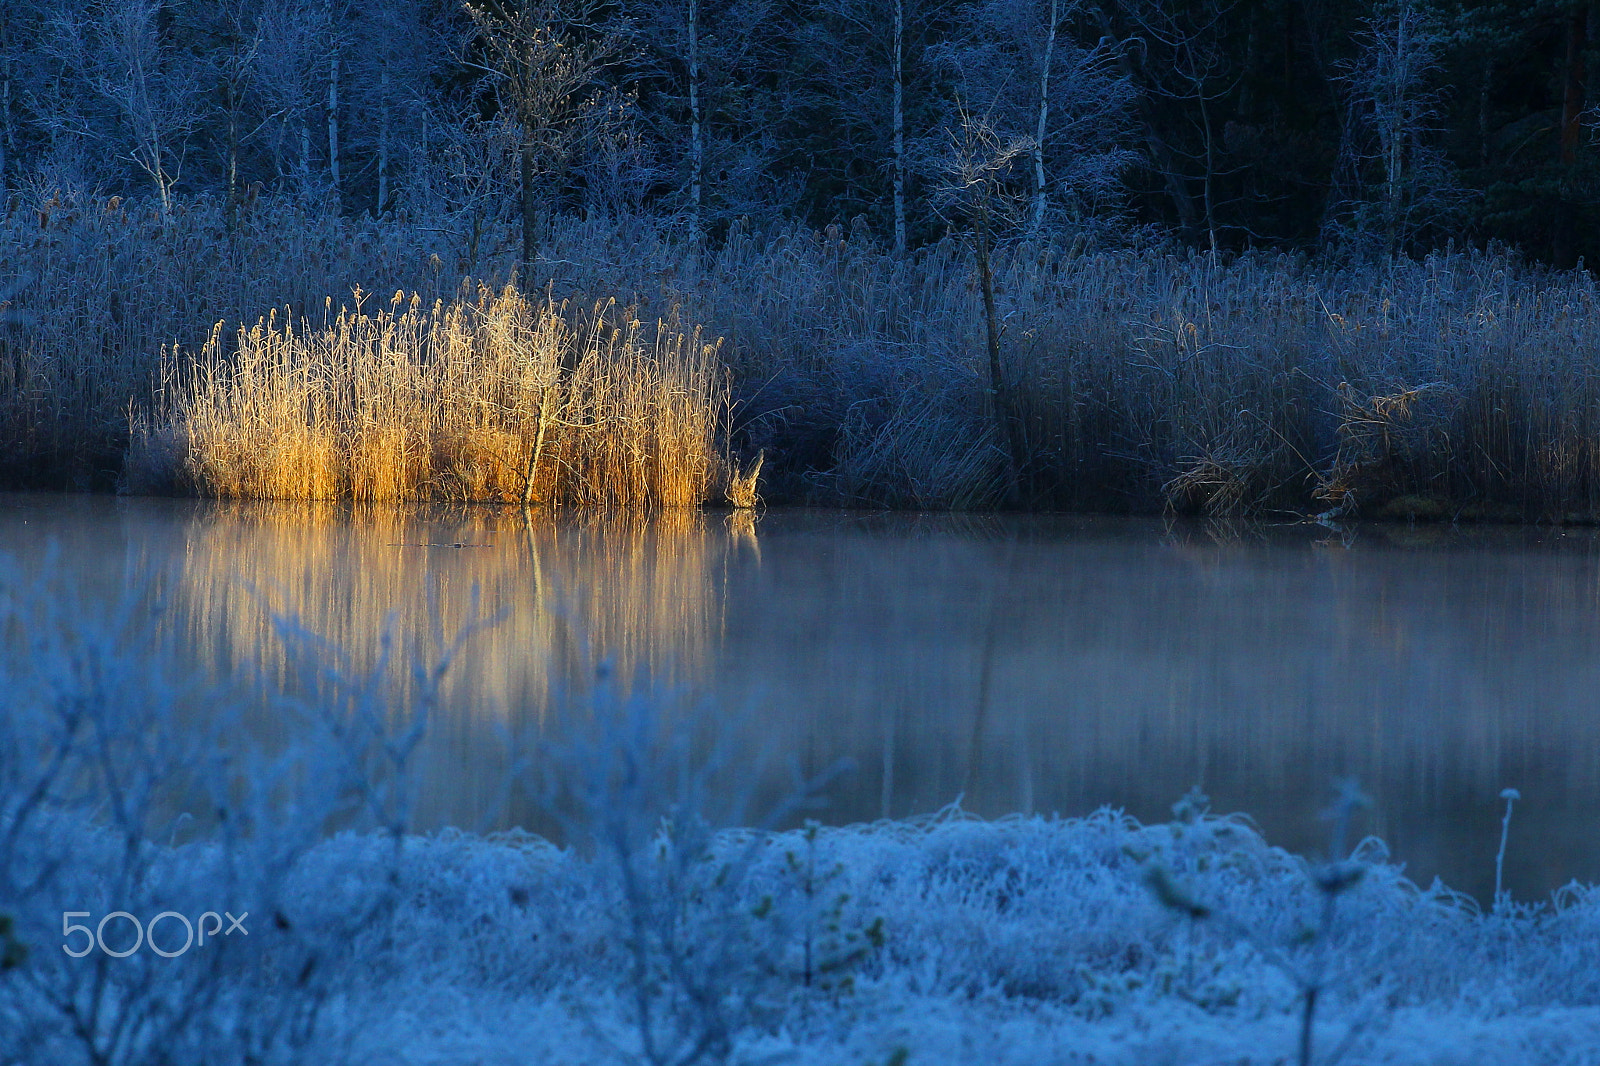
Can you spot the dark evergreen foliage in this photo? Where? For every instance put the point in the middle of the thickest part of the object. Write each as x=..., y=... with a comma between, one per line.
x=1243, y=123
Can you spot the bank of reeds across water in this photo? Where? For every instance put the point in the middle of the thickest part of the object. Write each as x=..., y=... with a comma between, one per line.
x=1463, y=385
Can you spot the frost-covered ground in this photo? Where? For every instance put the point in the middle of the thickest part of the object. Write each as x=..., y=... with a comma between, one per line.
x=1019, y=941
x=951, y=940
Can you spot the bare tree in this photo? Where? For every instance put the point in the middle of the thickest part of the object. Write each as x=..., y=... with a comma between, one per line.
x=115, y=53
x=1021, y=59
x=333, y=123
x=235, y=72
x=465, y=176
x=546, y=60
x=1174, y=51
x=869, y=86
x=979, y=190
x=8, y=138
x=227, y=36
x=1395, y=182
x=897, y=124
x=295, y=53
x=392, y=53
x=696, y=62
x=697, y=148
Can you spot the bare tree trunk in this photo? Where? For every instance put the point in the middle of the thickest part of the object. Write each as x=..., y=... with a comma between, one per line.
x=1572, y=84
x=154, y=152
x=538, y=445
x=1563, y=250
x=7, y=140
x=1039, y=198
x=529, y=220
x=305, y=155
x=899, y=121
x=999, y=391
x=232, y=216
x=697, y=158
x=333, y=127
x=1205, y=189
x=1160, y=152
x=5, y=129
x=1394, y=163
x=383, y=144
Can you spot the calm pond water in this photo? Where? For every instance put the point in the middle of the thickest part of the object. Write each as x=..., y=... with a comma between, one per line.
x=1023, y=664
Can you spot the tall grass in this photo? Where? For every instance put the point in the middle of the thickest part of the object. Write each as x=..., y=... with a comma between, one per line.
x=491, y=397
x=91, y=290
x=1461, y=385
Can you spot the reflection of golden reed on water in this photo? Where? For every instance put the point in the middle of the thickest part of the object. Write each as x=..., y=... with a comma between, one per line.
x=569, y=592
x=741, y=525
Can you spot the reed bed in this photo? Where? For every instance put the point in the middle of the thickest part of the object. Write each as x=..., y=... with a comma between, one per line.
x=91, y=290
x=1461, y=385
x=487, y=398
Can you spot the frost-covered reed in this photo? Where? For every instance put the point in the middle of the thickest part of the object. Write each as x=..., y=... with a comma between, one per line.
x=1458, y=386
x=93, y=289
x=1463, y=385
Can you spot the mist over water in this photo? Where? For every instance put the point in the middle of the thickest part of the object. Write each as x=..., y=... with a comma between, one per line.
x=1022, y=664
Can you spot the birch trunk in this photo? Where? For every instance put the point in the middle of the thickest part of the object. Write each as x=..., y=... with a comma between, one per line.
x=899, y=122
x=151, y=156
x=529, y=222
x=1039, y=197
x=383, y=145
x=232, y=216
x=696, y=130
x=1395, y=159
x=6, y=141
x=333, y=125
x=5, y=128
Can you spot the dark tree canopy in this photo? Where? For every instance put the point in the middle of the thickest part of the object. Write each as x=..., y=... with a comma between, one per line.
x=1365, y=126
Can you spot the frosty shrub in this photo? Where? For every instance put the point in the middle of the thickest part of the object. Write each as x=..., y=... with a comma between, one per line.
x=715, y=928
x=171, y=887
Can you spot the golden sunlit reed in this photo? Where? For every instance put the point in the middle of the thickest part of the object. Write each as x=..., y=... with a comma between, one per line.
x=489, y=398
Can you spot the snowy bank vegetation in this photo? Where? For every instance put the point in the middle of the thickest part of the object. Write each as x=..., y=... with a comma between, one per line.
x=943, y=940
x=666, y=927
